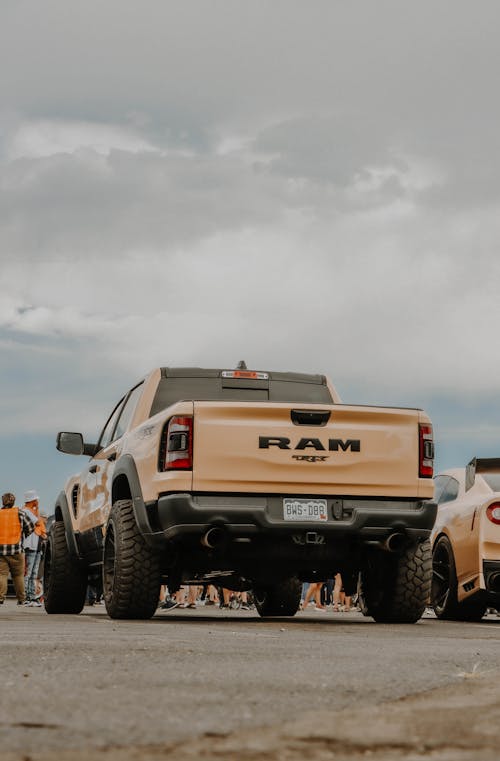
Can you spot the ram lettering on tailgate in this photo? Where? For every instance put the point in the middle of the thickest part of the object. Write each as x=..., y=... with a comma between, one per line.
x=334, y=445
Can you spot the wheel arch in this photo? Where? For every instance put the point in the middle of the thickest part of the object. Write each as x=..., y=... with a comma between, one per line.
x=121, y=488
x=62, y=515
x=127, y=485
x=442, y=532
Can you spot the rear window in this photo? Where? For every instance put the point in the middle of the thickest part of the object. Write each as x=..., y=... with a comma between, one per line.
x=216, y=389
x=493, y=480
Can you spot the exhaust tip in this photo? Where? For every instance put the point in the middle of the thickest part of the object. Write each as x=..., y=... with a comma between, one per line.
x=213, y=538
x=395, y=542
x=494, y=583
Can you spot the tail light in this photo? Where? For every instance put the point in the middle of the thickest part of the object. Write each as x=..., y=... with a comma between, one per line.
x=177, y=444
x=426, y=451
x=493, y=512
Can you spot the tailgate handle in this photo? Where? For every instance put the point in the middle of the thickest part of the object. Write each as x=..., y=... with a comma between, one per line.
x=310, y=417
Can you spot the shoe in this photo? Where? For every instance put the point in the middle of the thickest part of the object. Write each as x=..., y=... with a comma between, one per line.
x=35, y=604
x=245, y=606
x=322, y=608
x=26, y=602
x=191, y=605
x=209, y=602
x=23, y=603
x=168, y=605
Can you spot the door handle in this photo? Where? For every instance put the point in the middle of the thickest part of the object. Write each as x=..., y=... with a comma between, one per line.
x=310, y=417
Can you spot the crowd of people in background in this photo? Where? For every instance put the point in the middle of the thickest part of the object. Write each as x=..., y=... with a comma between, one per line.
x=23, y=538
x=193, y=596
x=321, y=595
x=325, y=594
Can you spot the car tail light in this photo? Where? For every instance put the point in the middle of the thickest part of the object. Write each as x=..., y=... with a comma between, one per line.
x=493, y=512
x=426, y=451
x=177, y=444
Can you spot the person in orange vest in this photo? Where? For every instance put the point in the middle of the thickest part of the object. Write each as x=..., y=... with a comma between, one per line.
x=15, y=524
x=33, y=545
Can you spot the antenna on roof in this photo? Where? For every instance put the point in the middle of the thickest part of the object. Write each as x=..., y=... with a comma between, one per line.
x=242, y=365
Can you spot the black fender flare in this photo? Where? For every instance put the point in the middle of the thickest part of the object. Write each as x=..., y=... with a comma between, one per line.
x=62, y=507
x=125, y=468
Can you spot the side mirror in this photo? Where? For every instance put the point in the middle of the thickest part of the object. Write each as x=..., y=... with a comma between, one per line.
x=72, y=443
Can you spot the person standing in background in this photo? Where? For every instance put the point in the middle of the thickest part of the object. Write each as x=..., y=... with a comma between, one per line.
x=341, y=602
x=314, y=591
x=33, y=545
x=15, y=524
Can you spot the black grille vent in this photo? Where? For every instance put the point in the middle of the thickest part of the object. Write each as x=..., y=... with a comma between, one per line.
x=74, y=499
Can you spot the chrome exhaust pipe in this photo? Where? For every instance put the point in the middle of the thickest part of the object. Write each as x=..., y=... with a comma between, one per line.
x=213, y=538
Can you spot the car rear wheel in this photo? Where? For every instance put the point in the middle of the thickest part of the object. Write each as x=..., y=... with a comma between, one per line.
x=445, y=585
x=279, y=599
x=394, y=588
x=65, y=580
x=131, y=569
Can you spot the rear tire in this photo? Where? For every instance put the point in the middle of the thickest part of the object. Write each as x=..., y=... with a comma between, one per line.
x=395, y=589
x=65, y=581
x=131, y=569
x=279, y=599
x=445, y=586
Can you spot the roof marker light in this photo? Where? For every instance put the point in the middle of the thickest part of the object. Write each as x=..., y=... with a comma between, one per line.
x=251, y=374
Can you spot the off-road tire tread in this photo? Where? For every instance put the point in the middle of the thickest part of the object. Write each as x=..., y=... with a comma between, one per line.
x=136, y=585
x=279, y=599
x=407, y=587
x=66, y=587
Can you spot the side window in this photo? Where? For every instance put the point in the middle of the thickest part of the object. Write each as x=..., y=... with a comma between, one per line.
x=128, y=411
x=109, y=427
x=439, y=486
x=450, y=492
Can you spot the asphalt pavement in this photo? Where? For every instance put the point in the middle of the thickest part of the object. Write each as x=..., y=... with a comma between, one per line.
x=189, y=679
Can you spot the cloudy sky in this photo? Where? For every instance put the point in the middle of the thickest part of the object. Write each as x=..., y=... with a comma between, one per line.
x=307, y=186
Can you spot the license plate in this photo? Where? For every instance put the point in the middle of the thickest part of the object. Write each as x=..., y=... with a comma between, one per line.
x=305, y=510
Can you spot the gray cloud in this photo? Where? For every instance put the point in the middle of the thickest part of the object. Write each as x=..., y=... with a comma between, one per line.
x=309, y=188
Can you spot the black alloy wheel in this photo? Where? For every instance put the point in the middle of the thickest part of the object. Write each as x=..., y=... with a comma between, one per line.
x=444, y=587
x=444, y=580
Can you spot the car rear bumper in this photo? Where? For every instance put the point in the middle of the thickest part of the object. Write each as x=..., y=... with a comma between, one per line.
x=180, y=515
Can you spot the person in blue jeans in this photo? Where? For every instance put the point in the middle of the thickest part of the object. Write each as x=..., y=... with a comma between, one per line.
x=33, y=545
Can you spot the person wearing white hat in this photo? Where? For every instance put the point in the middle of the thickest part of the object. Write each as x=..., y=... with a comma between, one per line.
x=33, y=545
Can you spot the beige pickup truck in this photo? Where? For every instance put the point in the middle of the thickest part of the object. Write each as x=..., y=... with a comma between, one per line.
x=248, y=480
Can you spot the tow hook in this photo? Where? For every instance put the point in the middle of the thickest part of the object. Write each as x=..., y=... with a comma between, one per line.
x=311, y=537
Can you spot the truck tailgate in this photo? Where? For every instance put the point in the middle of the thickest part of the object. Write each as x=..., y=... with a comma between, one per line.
x=361, y=451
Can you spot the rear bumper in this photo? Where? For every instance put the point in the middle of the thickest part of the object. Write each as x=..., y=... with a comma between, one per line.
x=181, y=515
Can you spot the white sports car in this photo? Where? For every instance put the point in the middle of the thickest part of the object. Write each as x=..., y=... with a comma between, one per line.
x=466, y=541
